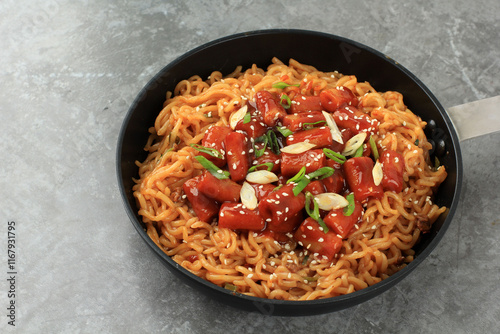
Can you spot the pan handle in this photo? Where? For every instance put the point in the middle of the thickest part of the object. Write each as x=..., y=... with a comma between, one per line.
x=476, y=118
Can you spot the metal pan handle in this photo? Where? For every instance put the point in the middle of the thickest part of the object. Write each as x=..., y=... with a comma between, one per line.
x=476, y=118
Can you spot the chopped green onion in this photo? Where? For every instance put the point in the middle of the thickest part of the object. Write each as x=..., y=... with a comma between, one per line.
x=213, y=169
x=437, y=163
x=359, y=152
x=247, y=118
x=311, y=279
x=304, y=261
x=349, y=209
x=307, y=126
x=278, y=187
x=269, y=166
x=285, y=101
x=230, y=287
x=416, y=142
x=300, y=185
x=282, y=85
x=208, y=150
x=374, y=148
x=284, y=131
x=337, y=157
x=259, y=153
x=302, y=180
x=298, y=176
x=321, y=173
x=273, y=142
x=314, y=213
x=262, y=139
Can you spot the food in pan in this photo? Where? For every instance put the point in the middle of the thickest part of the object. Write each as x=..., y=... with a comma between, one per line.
x=287, y=183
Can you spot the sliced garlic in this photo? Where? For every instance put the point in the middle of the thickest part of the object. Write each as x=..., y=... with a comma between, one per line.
x=331, y=201
x=261, y=177
x=354, y=143
x=298, y=148
x=377, y=173
x=237, y=116
x=336, y=135
x=247, y=196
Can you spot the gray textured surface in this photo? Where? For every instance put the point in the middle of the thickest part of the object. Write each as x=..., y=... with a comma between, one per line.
x=70, y=69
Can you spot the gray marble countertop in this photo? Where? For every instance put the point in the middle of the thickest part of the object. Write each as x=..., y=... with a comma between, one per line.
x=69, y=71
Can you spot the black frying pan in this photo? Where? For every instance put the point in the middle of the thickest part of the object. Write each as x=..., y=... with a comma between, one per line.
x=327, y=53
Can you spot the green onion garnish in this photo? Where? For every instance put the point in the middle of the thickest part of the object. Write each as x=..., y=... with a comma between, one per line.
x=314, y=213
x=321, y=173
x=417, y=142
x=298, y=176
x=359, y=152
x=262, y=139
x=269, y=166
x=300, y=185
x=311, y=279
x=285, y=101
x=304, y=261
x=231, y=287
x=349, y=209
x=374, y=148
x=337, y=157
x=282, y=85
x=247, y=118
x=213, y=169
x=302, y=180
x=284, y=131
x=437, y=163
x=273, y=142
x=307, y=126
x=208, y=150
x=278, y=187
